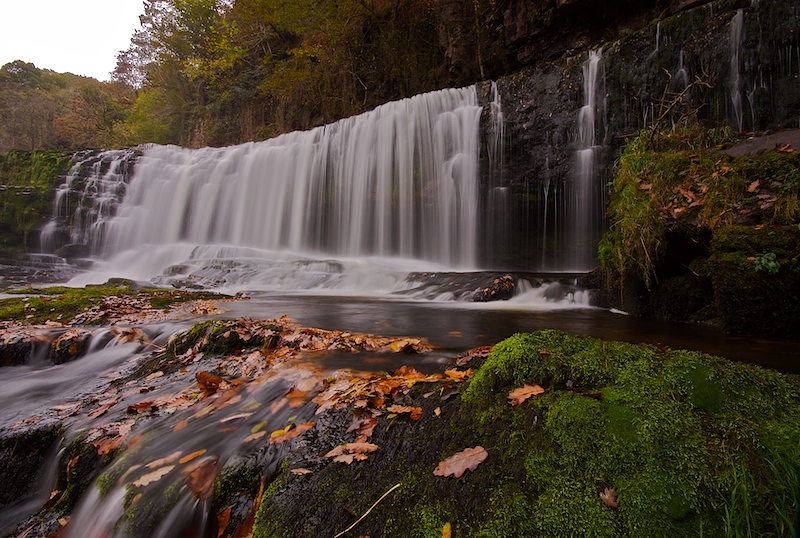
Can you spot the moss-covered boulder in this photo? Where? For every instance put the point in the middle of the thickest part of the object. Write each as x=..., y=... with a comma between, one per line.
x=625, y=440
x=704, y=235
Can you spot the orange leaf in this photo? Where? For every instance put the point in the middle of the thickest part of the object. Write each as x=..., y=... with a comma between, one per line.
x=290, y=432
x=222, y=521
x=458, y=374
x=447, y=530
x=460, y=462
x=189, y=457
x=519, y=395
x=142, y=407
x=414, y=412
x=753, y=186
x=301, y=471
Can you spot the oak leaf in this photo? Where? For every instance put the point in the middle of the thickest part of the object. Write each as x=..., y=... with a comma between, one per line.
x=207, y=382
x=153, y=476
x=460, y=462
x=609, y=497
x=201, y=479
x=348, y=452
x=519, y=395
x=414, y=412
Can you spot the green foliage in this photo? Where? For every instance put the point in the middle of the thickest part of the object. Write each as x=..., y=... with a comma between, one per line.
x=27, y=180
x=767, y=263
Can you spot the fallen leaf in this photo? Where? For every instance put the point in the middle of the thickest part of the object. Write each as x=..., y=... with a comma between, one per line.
x=153, y=476
x=519, y=395
x=414, y=412
x=458, y=463
x=201, y=479
x=142, y=407
x=207, y=382
x=222, y=521
x=447, y=530
x=290, y=432
x=458, y=374
x=753, y=186
x=154, y=375
x=164, y=461
x=609, y=497
x=346, y=453
x=254, y=436
x=301, y=471
x=189, y=457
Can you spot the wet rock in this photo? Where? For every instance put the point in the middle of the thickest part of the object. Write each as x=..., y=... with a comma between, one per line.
x=69, y=346
x=16, y=348
x=23, y=454
x=73, y=250
x=499, y=289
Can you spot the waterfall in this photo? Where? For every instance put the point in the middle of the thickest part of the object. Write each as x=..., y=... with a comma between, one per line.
x=399, y=182
x=737, y=39
x=584, y=222
x=498, y=195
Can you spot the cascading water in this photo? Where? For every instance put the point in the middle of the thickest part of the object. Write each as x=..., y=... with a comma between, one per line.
x=737, y=39
x=497, y=196
x=306, y=208
x=584, y=221
x=88, y=199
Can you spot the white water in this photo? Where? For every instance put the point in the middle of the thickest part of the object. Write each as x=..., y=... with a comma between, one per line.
x=584, y=211
x=737, y=38
x=399, y=181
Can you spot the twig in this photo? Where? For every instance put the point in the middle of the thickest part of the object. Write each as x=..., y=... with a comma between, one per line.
x=348, y=529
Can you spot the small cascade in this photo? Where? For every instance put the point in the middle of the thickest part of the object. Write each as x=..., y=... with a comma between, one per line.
x=584, y=223
x=737, y=40
x=498, y=195
x=681, y=78
x=88, y=199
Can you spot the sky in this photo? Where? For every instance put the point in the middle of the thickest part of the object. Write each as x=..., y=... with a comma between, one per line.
x=76, y=36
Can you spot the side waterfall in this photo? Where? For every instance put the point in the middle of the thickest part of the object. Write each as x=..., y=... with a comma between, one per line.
x=585, y=210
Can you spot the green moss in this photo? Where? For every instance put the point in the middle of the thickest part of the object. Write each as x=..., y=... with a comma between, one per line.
x=692, y=444
x=55, y=304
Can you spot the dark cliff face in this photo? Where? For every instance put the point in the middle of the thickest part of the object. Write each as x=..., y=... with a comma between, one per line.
x=731, y=62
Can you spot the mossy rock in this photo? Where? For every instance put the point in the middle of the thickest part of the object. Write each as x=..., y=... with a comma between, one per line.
x=756, y=276
x=692, y=445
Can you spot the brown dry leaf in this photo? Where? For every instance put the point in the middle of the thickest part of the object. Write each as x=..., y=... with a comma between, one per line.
x=207, y=382
x=786, y=148
x=609, y=497
x=254, y=436
x=222, y=521
x=753, y=186
x=301, y=471
x=153, y=476
x=447, y=530
x=458, y=463
x=164, y=461
x=154, y=375
x=414, y=412
x=104, y=446
x=104, y=406
x=351, y=448
x=201, y=479
x=519, y=395
x=142, y=407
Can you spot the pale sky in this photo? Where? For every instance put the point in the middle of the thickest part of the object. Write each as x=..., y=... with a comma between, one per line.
x=75, y=36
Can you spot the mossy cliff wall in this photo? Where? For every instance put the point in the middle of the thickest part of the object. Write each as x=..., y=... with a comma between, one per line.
x=646, y=64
